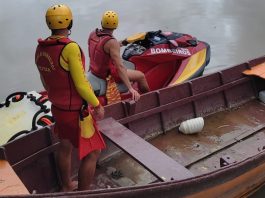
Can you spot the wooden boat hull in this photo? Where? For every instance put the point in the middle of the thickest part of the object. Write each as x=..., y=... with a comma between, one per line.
x=159, y=112
x=235, y=181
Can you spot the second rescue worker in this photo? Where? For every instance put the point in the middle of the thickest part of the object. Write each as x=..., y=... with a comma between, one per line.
x=104, y=53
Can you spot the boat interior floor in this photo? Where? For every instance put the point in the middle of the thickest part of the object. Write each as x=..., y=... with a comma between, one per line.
x=227, y=137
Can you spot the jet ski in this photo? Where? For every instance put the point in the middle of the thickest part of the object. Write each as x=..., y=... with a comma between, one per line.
x=166, y=59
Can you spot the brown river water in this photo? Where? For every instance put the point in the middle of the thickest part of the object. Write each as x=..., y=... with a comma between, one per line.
x=235, y=30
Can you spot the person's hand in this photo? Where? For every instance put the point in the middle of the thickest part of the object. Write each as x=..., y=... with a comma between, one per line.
x=123, y=43
x=135, y=95
x=98, y=112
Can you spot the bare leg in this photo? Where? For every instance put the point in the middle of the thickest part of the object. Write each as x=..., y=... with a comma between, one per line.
x=87, y=170
x=64, y=162
x=138, y=76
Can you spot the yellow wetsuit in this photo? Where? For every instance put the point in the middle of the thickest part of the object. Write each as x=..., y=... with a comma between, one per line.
x=71, y=61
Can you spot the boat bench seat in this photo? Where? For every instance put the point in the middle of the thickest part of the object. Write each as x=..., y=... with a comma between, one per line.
x=154, y=160
x=10, y=184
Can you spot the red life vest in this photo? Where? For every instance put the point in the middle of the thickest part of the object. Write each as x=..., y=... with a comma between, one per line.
x=59, y=84
x=100, y=61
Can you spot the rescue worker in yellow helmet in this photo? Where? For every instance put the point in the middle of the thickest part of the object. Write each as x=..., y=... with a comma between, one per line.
x=68, y=91
x=104, y=53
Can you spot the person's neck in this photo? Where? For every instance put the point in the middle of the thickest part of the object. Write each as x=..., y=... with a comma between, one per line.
x=60, y=32
x=108, y=31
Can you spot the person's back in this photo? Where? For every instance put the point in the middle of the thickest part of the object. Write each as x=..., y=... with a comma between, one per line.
x=61, y=62
x=63, y=94
x=104, y=53
x=100, y=60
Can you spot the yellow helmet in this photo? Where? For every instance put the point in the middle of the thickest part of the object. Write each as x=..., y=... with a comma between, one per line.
x=110, y=20
x=59, y=17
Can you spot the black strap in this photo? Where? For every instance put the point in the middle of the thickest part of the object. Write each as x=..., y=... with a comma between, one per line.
x=18, y=134
x=7, y=102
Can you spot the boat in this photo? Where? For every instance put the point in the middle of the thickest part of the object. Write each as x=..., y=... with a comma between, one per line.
x=147, y=156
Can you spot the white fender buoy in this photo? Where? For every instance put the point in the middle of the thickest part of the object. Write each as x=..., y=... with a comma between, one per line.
x=192, y=126
x=262, y=96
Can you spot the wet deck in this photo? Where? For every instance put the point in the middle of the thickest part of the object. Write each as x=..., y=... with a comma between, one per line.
x=227, y=137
